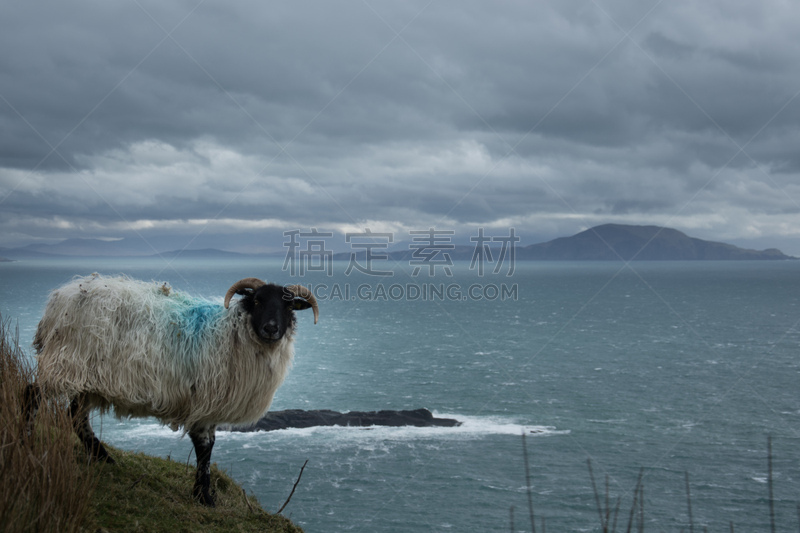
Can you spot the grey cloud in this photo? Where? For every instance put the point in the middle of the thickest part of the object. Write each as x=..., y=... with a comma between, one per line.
x=536, y=109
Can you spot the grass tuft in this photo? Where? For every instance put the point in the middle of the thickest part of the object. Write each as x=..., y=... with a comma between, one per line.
x=45, y=488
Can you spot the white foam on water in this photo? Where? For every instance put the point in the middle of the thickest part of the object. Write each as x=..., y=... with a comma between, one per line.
x=471, y=427
x=140, y=431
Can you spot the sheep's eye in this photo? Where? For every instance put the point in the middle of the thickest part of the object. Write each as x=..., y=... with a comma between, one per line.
x=255, y=302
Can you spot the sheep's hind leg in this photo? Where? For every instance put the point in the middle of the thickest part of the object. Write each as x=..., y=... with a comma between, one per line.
x=32, y=397
x=203, y=440
x=80, y=422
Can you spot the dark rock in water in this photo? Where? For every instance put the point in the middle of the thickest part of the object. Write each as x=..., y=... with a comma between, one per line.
x=298, y=418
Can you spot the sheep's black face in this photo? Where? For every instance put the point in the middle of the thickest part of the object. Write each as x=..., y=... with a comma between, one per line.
x=271, y=310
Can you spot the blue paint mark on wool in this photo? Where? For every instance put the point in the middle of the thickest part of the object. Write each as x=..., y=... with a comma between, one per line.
x=196, y=318
x=193, y=321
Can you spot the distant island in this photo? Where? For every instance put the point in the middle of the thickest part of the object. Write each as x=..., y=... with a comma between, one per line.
x=607, y=242
x=619, y=242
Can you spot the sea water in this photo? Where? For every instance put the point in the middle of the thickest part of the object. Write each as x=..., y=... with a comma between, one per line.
x=668, y=368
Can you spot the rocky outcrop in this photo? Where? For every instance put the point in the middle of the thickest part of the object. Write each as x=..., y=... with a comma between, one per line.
x=298, y=418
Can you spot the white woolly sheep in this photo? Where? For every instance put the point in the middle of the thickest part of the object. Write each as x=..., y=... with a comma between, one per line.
x=148, y=350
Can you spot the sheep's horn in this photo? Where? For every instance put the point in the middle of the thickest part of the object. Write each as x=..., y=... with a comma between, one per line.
x=305, y=294
x=246, y=283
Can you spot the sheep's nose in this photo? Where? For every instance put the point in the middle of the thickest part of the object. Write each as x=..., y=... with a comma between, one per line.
x=270, y=328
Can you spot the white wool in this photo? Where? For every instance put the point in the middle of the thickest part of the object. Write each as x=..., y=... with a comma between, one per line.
x=147, y=350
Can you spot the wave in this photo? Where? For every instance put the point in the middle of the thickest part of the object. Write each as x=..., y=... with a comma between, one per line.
x=472, y=427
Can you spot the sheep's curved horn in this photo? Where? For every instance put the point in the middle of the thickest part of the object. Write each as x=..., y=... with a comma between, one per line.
x=246, y=283
x=305, y=294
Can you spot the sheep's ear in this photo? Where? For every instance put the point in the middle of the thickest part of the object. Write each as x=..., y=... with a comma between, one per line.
x=298, y=304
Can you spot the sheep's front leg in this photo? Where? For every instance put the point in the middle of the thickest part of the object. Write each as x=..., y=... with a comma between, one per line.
x=80, y=423
x=203, y=440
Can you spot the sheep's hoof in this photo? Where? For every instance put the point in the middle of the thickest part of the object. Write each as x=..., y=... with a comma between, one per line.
x=99, y=454
x=107, y=460
x=202, y=495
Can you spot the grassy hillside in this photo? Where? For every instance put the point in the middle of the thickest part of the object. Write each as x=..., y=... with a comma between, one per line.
x=143, y=494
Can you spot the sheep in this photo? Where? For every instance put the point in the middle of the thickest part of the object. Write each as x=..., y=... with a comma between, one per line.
x=148, y=350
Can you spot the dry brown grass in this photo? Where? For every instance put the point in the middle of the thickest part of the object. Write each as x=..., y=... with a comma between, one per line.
x=44, y=487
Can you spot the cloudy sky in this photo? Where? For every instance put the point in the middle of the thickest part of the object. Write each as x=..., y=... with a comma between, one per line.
x=206, y=123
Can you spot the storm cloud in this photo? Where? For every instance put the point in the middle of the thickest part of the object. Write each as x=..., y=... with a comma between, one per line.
x=206, y=119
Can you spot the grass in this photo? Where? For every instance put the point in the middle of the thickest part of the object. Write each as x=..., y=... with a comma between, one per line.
x=45, y=488
x=49, y=486
x=142, y=494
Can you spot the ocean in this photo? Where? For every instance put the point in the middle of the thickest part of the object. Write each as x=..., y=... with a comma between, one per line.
x=668, y=368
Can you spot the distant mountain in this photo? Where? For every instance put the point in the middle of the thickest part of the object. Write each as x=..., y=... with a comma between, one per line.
x=456, y=253
x=4, y=260
x=87, y=247
x=609, y=242
x=615, y=242
x=103, y=248
x=100, y=248
x=15, y=254
x=206, y=253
